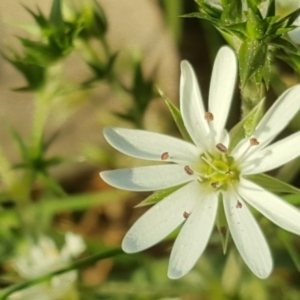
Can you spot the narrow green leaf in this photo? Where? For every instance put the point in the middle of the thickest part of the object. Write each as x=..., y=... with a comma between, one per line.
x=283, y=44
x=271, y=10
x=291, y=249
x=255, y=24
x=79, y=202
x=159, y=195
x=56, y=18
x=20, y=144
x=222, y=225
x=273, y=184
x=175, y=112
x=293, y=60
x=245, y=127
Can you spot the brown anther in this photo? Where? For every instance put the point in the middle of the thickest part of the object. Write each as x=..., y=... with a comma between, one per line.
x=238, y=204
x=254, y=142
x=165, y=156
x=221, y=148
x=209, y=116
x=188, y=170
x=186, y=214
x=223, y=230
x=215, y=184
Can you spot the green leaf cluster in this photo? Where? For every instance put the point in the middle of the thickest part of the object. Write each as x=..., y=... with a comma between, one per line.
x=257, y=36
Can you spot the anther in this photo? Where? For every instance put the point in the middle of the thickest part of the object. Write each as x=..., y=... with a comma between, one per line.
x=209, y=116
x=238, y=204
x=221, y=148
x=188, y=170
x=229, y=172
x=186, y=214
x=215, y=184
x=165, y=156
x=254, y=142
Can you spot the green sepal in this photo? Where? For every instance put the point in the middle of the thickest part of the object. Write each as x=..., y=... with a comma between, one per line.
x=252, y=56
x=159, y=195
x=272, y=184
x=175, y=112
x=245, y=127
x=222, y=225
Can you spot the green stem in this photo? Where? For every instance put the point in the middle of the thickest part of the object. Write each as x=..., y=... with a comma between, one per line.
x=251, y=93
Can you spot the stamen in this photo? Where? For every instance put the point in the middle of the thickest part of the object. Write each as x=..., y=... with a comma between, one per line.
x=188, y=170
x=165, y=156
x=229, y=172
x=186, y=214
x=221, y=148
x=213, y=166
x=254, y=142
x=238, y=204
x=215, y=184
x=209, y=116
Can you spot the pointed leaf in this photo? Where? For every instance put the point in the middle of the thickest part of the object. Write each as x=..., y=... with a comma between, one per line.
x=271, y=10
x=245, y=127
x=290, y=247
x=56, y=18
x=175, y=112
x=159, y=195
x=273, y=184
x=252, y=55
x=222, y=226
x=283, y=44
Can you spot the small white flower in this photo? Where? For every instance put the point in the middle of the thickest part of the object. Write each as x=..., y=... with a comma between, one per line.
x=208, y=171
x=40, y=259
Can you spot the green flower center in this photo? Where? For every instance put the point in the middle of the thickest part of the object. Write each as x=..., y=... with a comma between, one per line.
x=218, y=171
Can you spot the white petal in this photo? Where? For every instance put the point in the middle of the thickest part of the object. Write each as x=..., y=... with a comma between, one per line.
x=278, y=116
x=147, y=178
x=247, y=236
x=222, y=86
x=150, y=145
x=274, y=208
x=273, y=156
x=194, y=236
x=160, y=220
x=191, y=105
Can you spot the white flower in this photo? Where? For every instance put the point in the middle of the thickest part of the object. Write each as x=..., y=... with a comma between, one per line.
x=209, y=171
x=42, y=258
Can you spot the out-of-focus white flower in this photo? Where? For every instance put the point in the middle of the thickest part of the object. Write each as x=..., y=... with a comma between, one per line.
x=42, y=258
x=209, y=171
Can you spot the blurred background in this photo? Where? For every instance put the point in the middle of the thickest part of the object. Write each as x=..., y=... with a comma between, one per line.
x=71, y=68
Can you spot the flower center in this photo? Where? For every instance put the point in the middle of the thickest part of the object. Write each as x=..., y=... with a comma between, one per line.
x=218, y=171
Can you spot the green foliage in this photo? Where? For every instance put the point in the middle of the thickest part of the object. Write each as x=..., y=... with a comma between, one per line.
x=259, y=36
